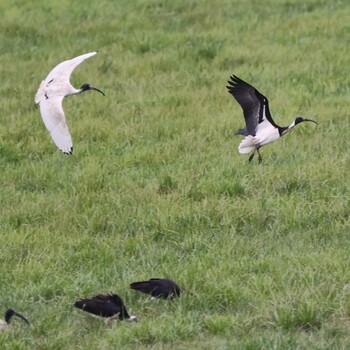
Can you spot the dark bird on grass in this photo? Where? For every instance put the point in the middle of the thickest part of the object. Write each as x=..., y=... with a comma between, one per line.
x=109, y=306
x=50, y=95
x=158, y=288
x=260, y=127
x=8, y=315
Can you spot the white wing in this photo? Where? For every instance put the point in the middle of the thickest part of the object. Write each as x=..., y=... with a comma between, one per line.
x=63, y=70
x=53, y=116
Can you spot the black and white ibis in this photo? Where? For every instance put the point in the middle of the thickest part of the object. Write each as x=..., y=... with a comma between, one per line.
x=109, y=306
x=260, y=127
x=158, y=288
x=50, y=95
x=8, y=315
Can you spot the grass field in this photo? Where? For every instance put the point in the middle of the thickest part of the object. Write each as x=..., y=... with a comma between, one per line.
x=156, y=187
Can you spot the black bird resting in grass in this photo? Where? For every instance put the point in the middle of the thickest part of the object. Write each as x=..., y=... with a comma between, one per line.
x=8, y=315
x=158, y=288
x=109, y=306
x=260, y=127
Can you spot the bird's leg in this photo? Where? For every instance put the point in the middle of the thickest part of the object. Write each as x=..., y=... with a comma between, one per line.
x=260, y=157
x=251, y=156
x=108, y=319
x=170, y=296
x=114, y=317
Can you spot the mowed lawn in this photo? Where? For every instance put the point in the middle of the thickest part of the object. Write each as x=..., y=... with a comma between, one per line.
x=156, y=187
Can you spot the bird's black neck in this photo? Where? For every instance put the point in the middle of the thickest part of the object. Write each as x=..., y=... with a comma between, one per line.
x=281, y=130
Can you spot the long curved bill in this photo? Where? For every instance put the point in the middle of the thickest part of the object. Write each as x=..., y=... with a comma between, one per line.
x=22, y=317
x=93, y=88
x=309, y=120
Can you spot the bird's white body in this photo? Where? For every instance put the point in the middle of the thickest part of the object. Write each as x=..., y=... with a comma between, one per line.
x=267, y=133
x=50, y=95
x=3, y=324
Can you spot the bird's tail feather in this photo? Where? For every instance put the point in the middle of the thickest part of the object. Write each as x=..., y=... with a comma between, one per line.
x=139, y=285
x=247, y=145
x=79, y=304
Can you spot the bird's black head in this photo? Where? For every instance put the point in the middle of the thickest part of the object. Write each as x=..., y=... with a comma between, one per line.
x=299, y=120
x=86, y=87
x=8, y=314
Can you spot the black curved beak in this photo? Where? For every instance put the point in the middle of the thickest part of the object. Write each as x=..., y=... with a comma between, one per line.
x=93, y=88
x=22, y=317
x=309, y=120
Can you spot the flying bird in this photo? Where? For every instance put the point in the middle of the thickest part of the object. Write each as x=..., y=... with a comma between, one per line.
x=109, y=306
x=260, y=127
x=158, y=288
x=50, y=95
x=8, y=315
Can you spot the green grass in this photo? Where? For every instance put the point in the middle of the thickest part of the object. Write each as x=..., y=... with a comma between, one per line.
x=156, y=186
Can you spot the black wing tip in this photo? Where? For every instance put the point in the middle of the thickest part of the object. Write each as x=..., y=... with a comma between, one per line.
x=235, y=79
x=233, y=83
x=68, y=153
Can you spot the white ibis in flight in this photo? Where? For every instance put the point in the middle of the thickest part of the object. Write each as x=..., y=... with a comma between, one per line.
x=260, y=127
x=109, y=306
x=158, y=288
x=50, y=95
x=8, y=315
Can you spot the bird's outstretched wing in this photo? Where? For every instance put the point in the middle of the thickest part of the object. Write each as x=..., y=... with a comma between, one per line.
x=64, y=69
x=255, y=105
x=53, y=116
